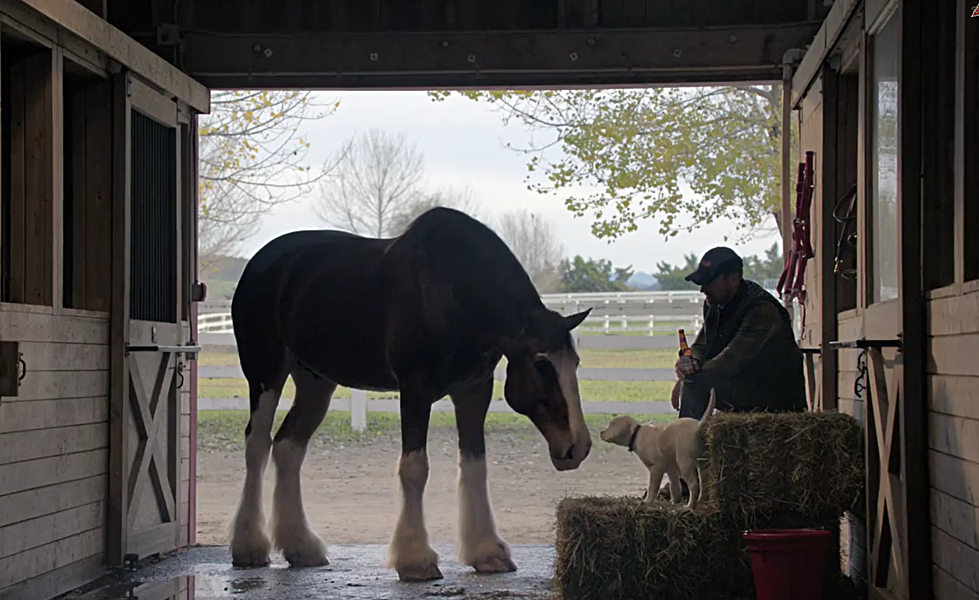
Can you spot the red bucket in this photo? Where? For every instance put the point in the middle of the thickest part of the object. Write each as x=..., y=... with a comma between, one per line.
x=788, y=563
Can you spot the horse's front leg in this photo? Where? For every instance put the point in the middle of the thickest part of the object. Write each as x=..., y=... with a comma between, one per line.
x=410, y=553
x=480, y=546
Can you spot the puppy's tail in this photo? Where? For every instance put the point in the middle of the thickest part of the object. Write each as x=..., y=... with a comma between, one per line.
x=710, y=407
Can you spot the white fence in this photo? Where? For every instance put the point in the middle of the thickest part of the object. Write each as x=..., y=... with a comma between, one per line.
x=606, y=324
x=620, y=312
x=217, y=322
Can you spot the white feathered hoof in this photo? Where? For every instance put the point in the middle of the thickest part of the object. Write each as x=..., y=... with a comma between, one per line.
x=493, y=556
x=415, y=562
x=251, y=549
x=299, y=545
x=304, y=550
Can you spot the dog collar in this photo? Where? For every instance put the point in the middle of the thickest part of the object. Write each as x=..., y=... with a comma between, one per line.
x=632, y=438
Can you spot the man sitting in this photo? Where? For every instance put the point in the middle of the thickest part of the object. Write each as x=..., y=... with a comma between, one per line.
x=746, y=350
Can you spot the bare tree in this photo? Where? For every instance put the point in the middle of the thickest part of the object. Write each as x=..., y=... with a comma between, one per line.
x=252, y=158
x=463, y=200
x=534, y=242
x=376, y=179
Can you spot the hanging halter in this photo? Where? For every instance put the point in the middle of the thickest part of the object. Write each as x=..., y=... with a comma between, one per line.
x=792, y=284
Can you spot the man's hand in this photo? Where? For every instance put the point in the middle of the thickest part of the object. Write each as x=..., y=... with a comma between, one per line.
x=686, y=365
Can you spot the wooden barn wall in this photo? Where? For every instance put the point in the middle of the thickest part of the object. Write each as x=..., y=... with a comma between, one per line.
x=54, y=462
x=953, y=454
x=54, y=432
x=353, y=16
x=951, y=195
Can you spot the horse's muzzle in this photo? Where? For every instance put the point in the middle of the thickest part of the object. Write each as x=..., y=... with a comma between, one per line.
x=573, y=455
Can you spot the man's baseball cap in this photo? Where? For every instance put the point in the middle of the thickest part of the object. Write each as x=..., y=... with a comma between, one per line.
x=717, y=261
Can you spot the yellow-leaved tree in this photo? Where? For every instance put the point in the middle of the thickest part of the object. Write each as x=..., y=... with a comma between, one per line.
x=253, y=156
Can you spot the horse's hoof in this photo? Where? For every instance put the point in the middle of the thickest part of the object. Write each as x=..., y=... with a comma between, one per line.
x=301, y=547
x=420, y=573
x=495, y=564
x=251, y=559
x=250, y=547
x=298, y=560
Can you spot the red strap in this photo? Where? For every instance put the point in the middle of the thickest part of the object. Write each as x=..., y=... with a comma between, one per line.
x=791, y=284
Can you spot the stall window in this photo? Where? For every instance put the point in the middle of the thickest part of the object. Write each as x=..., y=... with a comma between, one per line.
x=938, y=145
x=883, y=217
x=26, y=189
x=87, y=214
x=971, y=132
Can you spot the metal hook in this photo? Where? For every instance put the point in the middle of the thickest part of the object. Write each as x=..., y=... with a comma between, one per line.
x=180, y=375
x=23, y=365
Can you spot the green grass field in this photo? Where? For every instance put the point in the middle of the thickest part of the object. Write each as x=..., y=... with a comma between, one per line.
x=599, y=391
x=636, y=359
x=225, y=429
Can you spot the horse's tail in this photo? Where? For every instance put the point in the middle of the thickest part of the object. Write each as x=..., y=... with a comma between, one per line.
x=710, y=407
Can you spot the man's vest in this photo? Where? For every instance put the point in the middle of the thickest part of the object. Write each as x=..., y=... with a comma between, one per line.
x=772, y=378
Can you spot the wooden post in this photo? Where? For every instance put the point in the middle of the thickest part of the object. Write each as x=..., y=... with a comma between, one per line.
x=787, y=170
x=192, y=244
x=914, y=404
x=56, y=176
x=119, y=409
x=960, y=169
x=358, y=410
x=826, y=244
x=577, y=330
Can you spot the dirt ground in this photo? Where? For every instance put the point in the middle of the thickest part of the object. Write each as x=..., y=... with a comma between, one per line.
x=350, y=492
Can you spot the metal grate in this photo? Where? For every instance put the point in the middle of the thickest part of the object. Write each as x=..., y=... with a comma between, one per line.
x=153, y=266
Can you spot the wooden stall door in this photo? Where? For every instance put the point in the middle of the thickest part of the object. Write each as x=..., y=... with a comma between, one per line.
x=893, y=316
x=147, y=333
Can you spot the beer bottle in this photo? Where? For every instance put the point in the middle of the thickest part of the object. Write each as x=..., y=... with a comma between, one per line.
x=684, y=348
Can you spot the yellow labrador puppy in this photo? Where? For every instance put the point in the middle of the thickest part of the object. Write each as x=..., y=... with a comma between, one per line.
x=674, y=450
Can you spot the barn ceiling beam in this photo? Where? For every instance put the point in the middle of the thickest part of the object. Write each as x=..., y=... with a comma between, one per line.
x=493, y=59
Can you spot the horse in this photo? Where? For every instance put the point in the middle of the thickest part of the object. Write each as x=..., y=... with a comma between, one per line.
x=427, y=313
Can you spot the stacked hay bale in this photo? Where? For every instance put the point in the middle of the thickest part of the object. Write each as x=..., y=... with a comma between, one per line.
x=799, y=470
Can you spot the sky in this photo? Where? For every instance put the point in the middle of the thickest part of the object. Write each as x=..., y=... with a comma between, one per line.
x=464, y=145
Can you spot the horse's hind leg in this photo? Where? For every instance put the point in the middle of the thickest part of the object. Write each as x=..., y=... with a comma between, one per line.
x=480, y=545
x=290, y=528
x=410, y=553
x=250, y=542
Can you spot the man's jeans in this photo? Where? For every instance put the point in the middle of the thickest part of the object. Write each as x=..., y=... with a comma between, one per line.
x=694, y=397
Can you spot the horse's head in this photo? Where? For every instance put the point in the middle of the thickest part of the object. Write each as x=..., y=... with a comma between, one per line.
x=542, y=383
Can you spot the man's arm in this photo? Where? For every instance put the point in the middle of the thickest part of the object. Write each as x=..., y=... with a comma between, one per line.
x=757, y=327
x=699, y=346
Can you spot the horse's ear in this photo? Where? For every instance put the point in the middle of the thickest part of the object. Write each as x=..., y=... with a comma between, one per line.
x=573, y=321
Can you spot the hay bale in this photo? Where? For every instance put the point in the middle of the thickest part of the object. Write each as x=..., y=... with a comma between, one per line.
x=611, y=548
x=764, y=471
x=760, y=466
x=625, y=549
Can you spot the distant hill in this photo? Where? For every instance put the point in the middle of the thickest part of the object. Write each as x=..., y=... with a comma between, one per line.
x=643, y=281
x=224, y=268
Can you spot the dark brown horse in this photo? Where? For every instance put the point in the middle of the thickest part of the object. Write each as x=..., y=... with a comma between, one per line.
x=428, y=314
